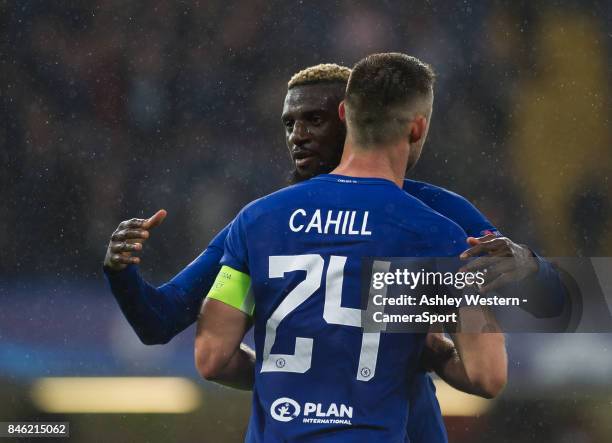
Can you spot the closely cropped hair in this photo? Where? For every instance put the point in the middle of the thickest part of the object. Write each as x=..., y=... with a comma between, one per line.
x=324, y=73
x=380, y=91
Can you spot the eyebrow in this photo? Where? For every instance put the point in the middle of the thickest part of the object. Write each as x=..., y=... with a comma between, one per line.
x=306, y=112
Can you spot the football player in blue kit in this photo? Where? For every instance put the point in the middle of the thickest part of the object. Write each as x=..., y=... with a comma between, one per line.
x=315, y=137
x=291, y=268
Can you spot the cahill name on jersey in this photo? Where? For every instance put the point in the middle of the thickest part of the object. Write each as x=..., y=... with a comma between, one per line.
x=319, y=376
x=330, y=222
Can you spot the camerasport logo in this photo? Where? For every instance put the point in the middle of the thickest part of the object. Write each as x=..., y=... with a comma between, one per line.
x=286, y=409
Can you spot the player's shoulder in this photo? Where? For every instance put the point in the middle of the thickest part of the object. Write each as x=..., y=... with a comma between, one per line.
x=435, y=230
x=416, y=211
x=413, y=192
x=426, y=191
x=452, y=205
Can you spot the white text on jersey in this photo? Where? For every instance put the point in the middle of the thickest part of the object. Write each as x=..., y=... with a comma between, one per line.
x=331, y=222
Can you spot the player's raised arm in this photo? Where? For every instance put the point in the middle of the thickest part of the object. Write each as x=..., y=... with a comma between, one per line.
x=157, y=314
x=224, y=320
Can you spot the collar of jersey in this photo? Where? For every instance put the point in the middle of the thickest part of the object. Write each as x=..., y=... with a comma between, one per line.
x=355, y=180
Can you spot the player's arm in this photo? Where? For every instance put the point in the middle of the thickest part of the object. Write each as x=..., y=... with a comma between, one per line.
x=223, y=322
x=480, y=365
x=440, y=355
x=157, y=314
x=520, y=270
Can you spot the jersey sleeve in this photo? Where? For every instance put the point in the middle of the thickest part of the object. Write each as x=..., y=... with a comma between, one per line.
x=235, y=254
x=452, y=206
x=233, y=283
x=548, y=294
x=449, y=247
x=454, y=243
x=159, y=314
x=197, y=277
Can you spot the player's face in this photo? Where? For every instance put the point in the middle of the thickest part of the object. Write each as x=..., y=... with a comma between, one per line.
x=313, y=130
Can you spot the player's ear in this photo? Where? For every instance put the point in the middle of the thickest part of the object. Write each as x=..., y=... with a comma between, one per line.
x=342, y=112
x=418, y=129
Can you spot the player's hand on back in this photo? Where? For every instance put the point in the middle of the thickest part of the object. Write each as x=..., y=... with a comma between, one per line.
x=128, y=239
x=503, y=260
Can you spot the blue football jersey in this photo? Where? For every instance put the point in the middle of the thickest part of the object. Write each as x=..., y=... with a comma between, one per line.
x=319, y=377
x=453, y=206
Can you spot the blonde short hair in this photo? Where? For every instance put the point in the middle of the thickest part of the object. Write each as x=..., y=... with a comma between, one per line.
x=323, y=73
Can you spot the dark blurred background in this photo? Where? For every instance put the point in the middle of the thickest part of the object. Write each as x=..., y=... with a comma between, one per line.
x=114, y=109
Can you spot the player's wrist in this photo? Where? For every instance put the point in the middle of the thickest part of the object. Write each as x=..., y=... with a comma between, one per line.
x=113, y=271
x=534, y=260
x=113, y=267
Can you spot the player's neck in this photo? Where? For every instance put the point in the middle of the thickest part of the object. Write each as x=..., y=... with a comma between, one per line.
x=388, y=162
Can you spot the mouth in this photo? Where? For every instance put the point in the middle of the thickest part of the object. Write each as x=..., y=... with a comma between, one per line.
x=303, y=158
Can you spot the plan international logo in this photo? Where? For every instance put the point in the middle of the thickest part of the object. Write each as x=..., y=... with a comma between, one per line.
x=286, y=409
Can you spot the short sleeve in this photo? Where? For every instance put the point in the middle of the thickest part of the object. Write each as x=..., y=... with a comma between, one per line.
x=454, y=242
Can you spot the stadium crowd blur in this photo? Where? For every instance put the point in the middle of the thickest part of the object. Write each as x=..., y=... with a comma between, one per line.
x=114, y=109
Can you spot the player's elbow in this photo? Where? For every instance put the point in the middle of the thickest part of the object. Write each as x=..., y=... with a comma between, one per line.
x=488, y=373
x=490, y=385
x=210, y=359
x=150, y=340
x=489, y=380
x=150, y=337
x=207, y=370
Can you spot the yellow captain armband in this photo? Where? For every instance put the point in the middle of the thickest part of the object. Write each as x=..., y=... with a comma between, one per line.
x=233, y=288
